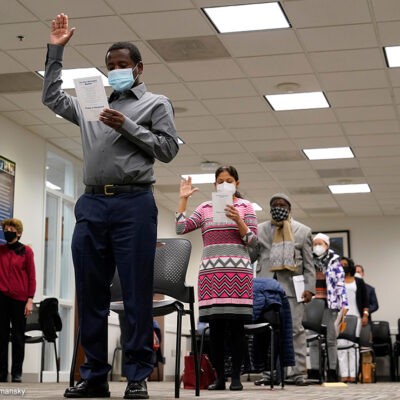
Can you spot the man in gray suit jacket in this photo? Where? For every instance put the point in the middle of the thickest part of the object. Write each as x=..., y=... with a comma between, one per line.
x=285, y=250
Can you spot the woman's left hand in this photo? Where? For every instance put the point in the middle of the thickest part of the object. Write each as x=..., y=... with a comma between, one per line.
x=28, y=308
x=233, y=213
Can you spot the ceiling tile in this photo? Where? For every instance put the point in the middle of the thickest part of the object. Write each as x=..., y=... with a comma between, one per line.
x=371, y=127
x=288, y=166
x=12, y=12
x=394, y=74
x=6, y=105
x=27, y=100
x=387, y=10
x=288, y=64
x=321, y=142
x=295, y=174
x=22, y=118
x=45, y=131
x=197, y=123
x=158, y=73
x=354, y=98
x=236, y=105
x=375, y=140
x=388, y=32
x=354, y=80
x=380, y=171
x=267, y=133
x=70, y=130
x=335, y=164
x=269, y=145
x=65, y=143
x=127, y=6
x=338, y=37
x=163, y=25
x=204, y=70
x=253, y=120
x=8, y=65
x=261, y=43
x=112, y=30
x=47, y=116
x=223, y=148
x=378, y=151
x=380, y=162
x=192, y=107
x=174, y=91
x=48, y=9
x=315, y=130
x=326, y=12
x=365, y=113
x=96, y=53
x=228, y=158
x=208, y=136
x=35, y=35
x=222, y=89
x=305, y=117
x=307, y=83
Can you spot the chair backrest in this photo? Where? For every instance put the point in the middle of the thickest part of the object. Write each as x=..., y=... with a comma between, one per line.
x=366, y=336
x=170, y=267
x=313, y=314
x=350, y=331
x=49, y=318
x=32, y=322
x=380, y=332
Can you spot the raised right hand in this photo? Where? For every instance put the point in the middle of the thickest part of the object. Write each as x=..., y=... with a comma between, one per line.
x=59, y=30
x=186, y=188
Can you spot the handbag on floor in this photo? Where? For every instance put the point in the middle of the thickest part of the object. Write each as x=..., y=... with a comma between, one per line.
x=207, y=373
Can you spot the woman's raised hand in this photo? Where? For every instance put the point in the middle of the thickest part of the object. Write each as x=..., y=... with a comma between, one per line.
x=186, y=189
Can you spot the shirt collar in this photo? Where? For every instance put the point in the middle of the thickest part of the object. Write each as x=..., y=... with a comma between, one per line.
x=138, y=91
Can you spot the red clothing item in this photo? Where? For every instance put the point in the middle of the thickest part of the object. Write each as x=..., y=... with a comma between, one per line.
x=17, y=273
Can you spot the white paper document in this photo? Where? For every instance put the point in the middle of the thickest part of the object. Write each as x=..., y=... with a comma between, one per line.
x=219, y=202
x=298, y=282
x=91, y=96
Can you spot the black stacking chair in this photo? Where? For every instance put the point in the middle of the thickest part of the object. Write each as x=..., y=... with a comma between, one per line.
x=382, y=343
x=44, y=324
x=350, y=334
x=312, y=321
x=396, y=350
x=170, y=267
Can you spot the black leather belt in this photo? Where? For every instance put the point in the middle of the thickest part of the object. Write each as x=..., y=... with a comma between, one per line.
x=111, y=190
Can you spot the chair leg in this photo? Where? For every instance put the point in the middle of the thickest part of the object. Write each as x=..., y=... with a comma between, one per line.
x=57, y=366
x=356, y=362
x=272, y=354
x=194, y=350
x=178, y=352
x=321, y=360
x=42, y=361
x=74, y=356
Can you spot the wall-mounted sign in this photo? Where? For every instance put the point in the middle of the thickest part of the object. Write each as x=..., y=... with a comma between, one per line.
x=7, y=187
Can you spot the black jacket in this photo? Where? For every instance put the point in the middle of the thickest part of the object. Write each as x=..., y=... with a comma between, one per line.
x=361, y=296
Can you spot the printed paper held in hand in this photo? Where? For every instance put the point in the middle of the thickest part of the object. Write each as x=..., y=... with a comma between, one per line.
x=219, y=202
x=91, y=96
x=298, y=282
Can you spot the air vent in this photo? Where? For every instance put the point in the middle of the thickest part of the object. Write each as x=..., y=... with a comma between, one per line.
x=340, y=172
x=271, y=156
x=20, y=82
x=189, y=48
x=308, y=190
x=319, y=211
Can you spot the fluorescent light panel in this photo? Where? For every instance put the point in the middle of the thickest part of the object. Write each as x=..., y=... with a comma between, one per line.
x=345, y=189
x=392, y=54
x=201, y=178
x=257, y=207
x=247, y=17
x=180, y=141
x=297, y=101
x=330, y=153
x=68, y=76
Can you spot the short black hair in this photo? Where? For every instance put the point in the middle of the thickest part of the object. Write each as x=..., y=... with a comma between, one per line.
x=134, y=52
x=350, y=262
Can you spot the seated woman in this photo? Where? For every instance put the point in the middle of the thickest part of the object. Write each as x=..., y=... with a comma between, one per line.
x=226, y=274
x=358, y=306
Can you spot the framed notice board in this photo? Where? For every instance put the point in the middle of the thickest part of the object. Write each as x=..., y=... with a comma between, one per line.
x=7, y=188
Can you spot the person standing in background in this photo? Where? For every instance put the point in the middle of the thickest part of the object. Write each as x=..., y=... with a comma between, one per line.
x=17, y=288
x=373, y=304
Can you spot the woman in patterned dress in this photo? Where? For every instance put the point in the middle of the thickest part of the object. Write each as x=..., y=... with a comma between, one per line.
x=225, y=286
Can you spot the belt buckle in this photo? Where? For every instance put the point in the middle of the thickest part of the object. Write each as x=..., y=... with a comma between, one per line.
x=106, y=192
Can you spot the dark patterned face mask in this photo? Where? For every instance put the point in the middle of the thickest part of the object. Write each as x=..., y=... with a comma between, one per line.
x=279, y=214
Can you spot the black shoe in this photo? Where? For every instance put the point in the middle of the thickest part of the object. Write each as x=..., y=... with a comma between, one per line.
x=332, y=376
x=262, y=382
x=16, y=378
x=136, y=390
x=235, y=384
x=217, y=385
x=86, y=389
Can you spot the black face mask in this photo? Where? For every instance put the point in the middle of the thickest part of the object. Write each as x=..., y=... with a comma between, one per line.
x=346, y=270
x=10, y=236
x=279, y=213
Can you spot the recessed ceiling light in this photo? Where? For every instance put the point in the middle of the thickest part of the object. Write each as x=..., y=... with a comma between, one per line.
x=200, y=178
x=180, y=141
x=68, y=76
x=330, y=153
x=392, y=54
x=297, y=101
x=52, y=186
x=257, y=207
x=354, y=188
x=247, y=17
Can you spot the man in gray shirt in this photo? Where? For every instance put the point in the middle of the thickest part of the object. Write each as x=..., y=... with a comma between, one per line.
x=116, y=218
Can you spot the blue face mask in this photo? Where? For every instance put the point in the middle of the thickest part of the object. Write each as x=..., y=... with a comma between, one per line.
x=121, y=79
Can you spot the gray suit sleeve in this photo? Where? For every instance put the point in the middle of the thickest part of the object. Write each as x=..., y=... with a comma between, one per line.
x=308, y=263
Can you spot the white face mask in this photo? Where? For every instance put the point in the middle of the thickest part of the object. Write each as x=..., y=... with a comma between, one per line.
x=319, y=250
x=357, y=275
x=226, y=187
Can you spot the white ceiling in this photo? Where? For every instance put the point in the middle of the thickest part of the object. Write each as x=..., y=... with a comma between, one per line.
x=333, y=46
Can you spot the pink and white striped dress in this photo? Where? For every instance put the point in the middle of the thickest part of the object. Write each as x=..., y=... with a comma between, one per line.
x=225, y=286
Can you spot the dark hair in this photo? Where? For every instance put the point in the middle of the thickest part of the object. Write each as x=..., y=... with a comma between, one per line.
x=134, y=52
x=362, y=268
x=232, y=171
x=352, y=268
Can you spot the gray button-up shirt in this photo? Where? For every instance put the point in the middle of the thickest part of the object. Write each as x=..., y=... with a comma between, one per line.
x=125, y=156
